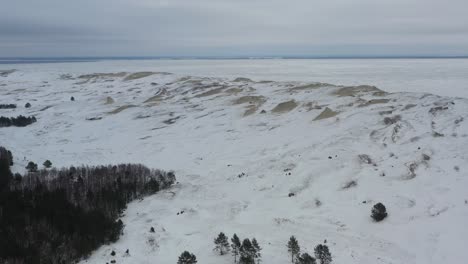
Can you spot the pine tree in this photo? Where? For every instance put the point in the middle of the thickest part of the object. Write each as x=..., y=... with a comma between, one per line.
x=247, y=252
x=187, y=258
x=305, y=259
x=235, y=244
x=323, y=254
x=221, y=244
x=32, y=167
x=47, y=164
x=293, y=248
x=257, y=248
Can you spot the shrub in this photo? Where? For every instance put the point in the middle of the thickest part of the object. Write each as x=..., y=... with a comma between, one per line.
x=27, y=105
x=305, y=258
x=379, y=212
x=187, y=258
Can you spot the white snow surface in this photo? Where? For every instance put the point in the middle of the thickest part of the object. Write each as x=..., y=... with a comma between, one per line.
x=192, y=125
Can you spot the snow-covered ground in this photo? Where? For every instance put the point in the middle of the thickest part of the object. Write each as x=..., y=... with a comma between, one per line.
x=447, y=77
x=240, y=147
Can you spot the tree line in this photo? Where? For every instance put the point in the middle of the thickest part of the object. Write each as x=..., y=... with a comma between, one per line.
x=20, y=121
x=7, y=106
x=61, y=215
x=248, y=252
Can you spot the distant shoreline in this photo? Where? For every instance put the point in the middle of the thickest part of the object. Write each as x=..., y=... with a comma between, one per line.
x=29, y=60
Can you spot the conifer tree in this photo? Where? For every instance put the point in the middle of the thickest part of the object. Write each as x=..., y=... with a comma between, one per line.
x=293, y=248
x=247, y=252
x=257, y=248
x=32, y=167
x=47, y=164
x=235, y=244
x=187, y=258
x=221, y=244
x=323, y=254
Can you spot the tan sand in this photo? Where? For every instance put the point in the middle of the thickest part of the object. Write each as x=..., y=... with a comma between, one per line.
x=158, y=97
x=210, y=92
x=373, y=102
x=120, y=109
x=361, y=89
x=285, y=107
x=109, y=100
x=233, y=91
x=306, y=87
x=252, y=99
x=240, y=79
x=327, y=113
x=138, y=75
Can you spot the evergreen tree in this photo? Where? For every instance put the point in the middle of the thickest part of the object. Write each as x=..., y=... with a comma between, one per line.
x=293, y=248
x=187, y=258
x=379, y=212
x=5, y=173
x=247, y=252
x=221, y=244
x=32, y=167
x=47, y=164
x=235, y=244
x=305, y=259
x=323, y=254
x=257, y=248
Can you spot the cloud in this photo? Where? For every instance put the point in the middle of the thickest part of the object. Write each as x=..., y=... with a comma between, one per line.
x=228, y=27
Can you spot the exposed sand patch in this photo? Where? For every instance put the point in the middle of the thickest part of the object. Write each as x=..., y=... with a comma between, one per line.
x=251, y=99
x=312, y=106
x=109, y=100
x=327, y=113
x=233, y=91
x=5, y=73
x=251, y=109
x=120, y=109
x=361, y=89
x=138, y=75
x=254, y=101
x=97, y=76
x=310, y=86
x=285, y=107
x=210, y=92
x=241, y=79
x=409, y=106
x=373, y=102
x=158, y=97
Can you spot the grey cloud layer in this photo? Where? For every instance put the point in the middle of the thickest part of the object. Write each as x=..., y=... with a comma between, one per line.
x=233, y=27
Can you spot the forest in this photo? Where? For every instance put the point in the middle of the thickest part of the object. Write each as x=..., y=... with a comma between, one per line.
x=62, y=215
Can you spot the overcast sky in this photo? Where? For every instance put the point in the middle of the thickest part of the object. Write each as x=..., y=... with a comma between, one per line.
x=44, y=28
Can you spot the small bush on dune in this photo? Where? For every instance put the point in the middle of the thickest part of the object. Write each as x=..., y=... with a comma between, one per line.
x=379, y=212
